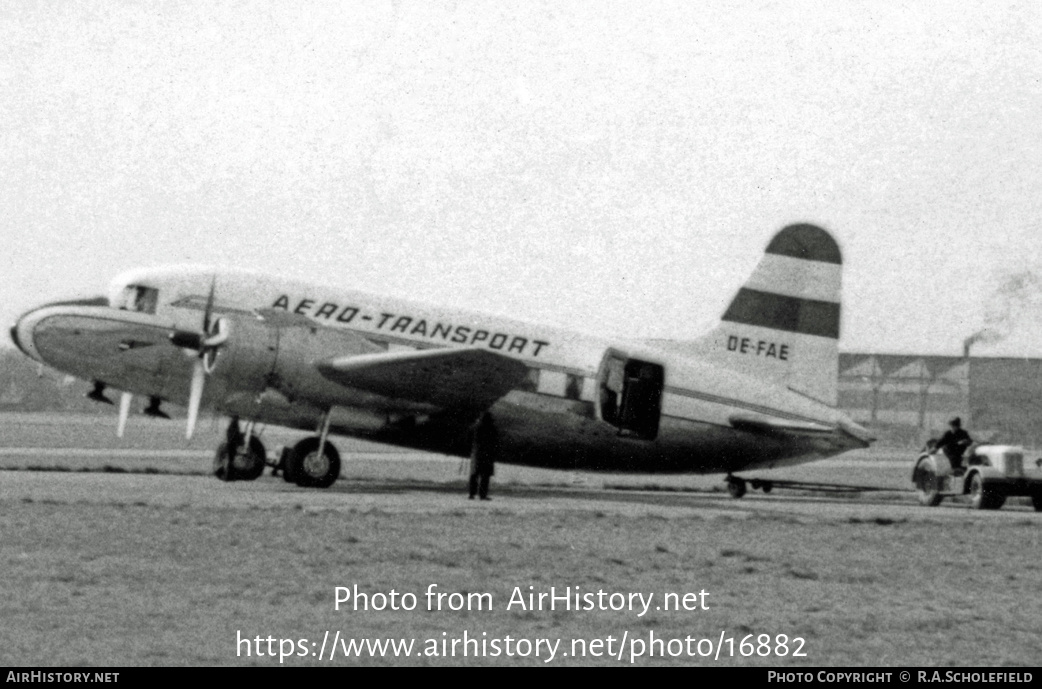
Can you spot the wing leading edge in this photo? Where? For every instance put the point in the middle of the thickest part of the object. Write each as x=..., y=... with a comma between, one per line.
x=447, y=378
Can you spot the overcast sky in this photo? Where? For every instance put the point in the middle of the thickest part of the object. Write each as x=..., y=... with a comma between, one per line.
x=614, y=167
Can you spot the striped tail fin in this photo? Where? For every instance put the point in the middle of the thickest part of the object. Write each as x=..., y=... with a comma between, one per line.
x=783, y=325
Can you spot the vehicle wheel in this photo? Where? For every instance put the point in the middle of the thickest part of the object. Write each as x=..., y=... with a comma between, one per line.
x=222, y=464
x=311, y=470
x=736, y=487
x=249, y=463
x=927, y=486
x=767, y=487
x=1036, y=502
x=982, y=498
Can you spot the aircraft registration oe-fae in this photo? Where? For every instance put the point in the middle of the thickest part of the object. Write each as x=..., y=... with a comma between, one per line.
x=758, y=391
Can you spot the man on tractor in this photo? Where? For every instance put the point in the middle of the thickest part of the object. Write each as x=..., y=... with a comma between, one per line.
x=954, y=443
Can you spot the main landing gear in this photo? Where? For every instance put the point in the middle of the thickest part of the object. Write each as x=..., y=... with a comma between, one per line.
x=737, y=487
x=311, y=463
x=240, y=457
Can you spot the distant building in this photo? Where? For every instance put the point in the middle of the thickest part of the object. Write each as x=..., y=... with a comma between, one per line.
x=908, y=398
x=12, y=396
x=26, y=386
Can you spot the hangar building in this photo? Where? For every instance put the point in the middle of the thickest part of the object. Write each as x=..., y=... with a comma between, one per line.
x=908, y=398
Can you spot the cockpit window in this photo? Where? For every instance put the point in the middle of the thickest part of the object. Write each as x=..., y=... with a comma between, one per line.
x=140, y=298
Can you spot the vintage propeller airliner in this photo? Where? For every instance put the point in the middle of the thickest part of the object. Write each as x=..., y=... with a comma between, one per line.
x=758, y=391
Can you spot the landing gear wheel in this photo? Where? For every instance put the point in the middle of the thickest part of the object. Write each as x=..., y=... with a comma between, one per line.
x=982, y=498
x=222, y=465
x=308, y=469
x=927, y=486
x=736, y=487
x=759, y=484
x=247, y=464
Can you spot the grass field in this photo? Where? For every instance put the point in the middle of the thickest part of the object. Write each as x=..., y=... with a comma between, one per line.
x=111, y=569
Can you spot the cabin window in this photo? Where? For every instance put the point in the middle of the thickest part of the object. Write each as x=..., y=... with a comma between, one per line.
x=573, y=388
x=531, y=381
x=139, y=298
x=552, y=383
x=589, y=390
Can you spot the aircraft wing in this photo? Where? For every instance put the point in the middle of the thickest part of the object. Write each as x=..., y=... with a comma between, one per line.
x=448, y=378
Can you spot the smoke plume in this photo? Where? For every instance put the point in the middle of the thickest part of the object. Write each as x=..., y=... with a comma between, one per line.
x=1017, y=299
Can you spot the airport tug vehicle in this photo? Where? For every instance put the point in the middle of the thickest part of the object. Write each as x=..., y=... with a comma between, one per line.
x=988, y=474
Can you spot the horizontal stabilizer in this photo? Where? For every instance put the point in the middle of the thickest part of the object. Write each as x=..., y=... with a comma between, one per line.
x=447, y=378
x=765, y=426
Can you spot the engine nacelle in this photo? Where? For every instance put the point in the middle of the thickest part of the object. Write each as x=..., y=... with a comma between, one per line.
x=266, y=369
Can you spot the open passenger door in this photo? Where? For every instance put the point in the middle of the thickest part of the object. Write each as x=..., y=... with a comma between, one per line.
x=630, y=395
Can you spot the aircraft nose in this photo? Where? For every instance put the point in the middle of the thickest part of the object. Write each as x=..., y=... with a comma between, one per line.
x=14, y=337
x=22, y=334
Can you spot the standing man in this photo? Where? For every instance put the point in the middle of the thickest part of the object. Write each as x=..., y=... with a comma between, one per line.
x=484, y=446
x=224, y=462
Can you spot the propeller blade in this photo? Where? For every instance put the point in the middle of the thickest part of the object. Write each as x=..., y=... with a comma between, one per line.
x=124, y=412
x=217, y=335
x=195, y=395
x=209, y=305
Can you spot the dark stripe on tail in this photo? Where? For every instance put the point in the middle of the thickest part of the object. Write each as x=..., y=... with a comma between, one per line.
x=808, y=242
x=791, y=314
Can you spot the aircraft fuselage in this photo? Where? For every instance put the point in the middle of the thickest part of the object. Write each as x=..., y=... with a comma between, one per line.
x=567, y=414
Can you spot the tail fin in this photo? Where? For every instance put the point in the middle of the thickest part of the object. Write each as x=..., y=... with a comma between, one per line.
x=783, y=325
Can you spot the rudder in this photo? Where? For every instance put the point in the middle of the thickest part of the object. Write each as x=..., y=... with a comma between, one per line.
x=783, y=325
